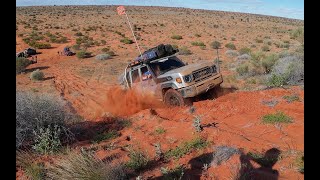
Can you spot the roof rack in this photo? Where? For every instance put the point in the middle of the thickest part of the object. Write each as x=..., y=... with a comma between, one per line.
x=134, y=63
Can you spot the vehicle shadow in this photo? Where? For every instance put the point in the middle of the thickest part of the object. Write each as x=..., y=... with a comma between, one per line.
x=35, y=68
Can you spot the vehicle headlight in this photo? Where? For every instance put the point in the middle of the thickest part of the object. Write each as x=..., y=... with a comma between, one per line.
x=188, y=78
x=169, y=78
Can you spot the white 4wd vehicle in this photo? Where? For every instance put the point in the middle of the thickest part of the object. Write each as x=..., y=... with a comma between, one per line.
x=172, y=81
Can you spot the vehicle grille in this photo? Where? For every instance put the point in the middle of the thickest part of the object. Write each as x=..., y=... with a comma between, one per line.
x=203, y=74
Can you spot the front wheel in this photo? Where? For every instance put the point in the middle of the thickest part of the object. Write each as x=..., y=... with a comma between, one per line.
x=174, y=98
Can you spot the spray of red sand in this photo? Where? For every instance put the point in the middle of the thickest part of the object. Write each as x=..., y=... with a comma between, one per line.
x=121, y=102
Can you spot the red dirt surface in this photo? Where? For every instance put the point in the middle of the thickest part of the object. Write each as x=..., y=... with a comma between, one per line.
x=233, y=119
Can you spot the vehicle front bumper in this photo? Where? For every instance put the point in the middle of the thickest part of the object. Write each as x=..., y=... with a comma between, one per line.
x=201, y=87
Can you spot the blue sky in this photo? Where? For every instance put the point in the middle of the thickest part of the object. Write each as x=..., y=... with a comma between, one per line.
x=284, y=8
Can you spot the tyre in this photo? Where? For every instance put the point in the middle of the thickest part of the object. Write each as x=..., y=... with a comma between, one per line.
x=174, y=98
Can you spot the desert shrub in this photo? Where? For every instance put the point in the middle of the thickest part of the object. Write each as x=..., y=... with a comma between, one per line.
x=243, y=57
x=138, y=159
x=76, y=47
x=230, y=46
x=259, y=41
x=232, y=53
x=78, y=34
x=21, y=64
x=32, y=169
x=184, y=51
x=222, y=154
x=197, y=123
x=84, y=165
x=186, y=148
x=290, y=70
x=172, y=174
x=160, y=130
x=105, y=50
x=103, y=42
x=265, y=48
x=177, y=37
x=267, y=42
x=298, y=34
x=245, y=50
x=34, y=112
x=96, y=43
x=42, y=45
x=126, y=41
x=197, y=43
x=215, y=44
x=276, y=81
x=233, y=38
x=278, y=117
x=83, y=54
x=243, y=69
x=47, y=140
x=37, y=75
x=105, y=136
x=291, y=98
x=268, y=62
x=197, y=35
x=103, y=56
x=300, y=163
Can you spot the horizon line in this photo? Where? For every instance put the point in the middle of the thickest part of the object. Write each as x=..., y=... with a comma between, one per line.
x=165, y=7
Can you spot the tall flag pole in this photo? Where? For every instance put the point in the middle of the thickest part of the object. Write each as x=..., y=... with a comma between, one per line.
x=121, y=11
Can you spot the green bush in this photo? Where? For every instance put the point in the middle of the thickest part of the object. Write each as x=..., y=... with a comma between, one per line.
x=84, y=166
x=160, y=130
x=138, y=160
x=105, y=136
x=186, y=148
x=42, y=45
x=126, y=41
x=177, y=37
x=291, y=98
x=37, y=75
x=215, y=45
x=197, y=43
x=172, y=174
x=265, y=48
x=268, y=62
x=278, y=117
x=35, y=112
x=276, y=80
x=21, y=64
x=230, y=46
x=78, y=34
x=47, y=140
x=184, y=51
x=298, y=34
x=243, y=69
x=105, y=50
x=245, y=50
x=259, y=41
x=76, y=47
x=83, y=54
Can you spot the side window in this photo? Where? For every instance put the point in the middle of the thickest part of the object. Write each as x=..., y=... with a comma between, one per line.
x=135, y=76
x=145, y=73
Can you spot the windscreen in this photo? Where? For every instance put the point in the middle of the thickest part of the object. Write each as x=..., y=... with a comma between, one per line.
x=165, y=66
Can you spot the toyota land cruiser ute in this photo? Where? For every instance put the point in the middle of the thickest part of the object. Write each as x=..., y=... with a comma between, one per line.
x=171, y=80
